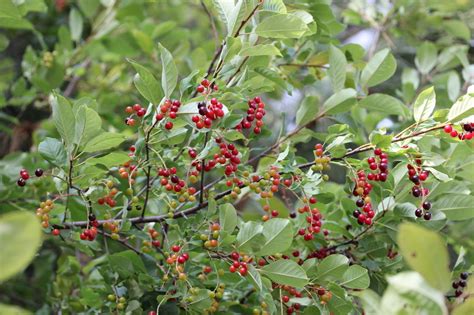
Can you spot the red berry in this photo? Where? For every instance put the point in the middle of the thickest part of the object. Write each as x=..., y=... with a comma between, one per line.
x=169, y=125
x=24, y=175
x=129, y=109
x=205, y=82
x=141, y=112
x=56, y=232
x=285, y=298
x=448, y=128
x=137, y=107
x=200, y=89
x=175, y=248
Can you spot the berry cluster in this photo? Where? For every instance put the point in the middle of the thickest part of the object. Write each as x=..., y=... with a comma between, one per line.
x=172, y=182
x=208, y=112
x=24, y=176
x=90, y=233
x=461, y=284
x=285, y=299
x=321, y=253
x=121, y=301
x=467, y=132
x=169, y=108
x=175, y=258
x=128, y=171
x=378, y=161
x=228, y=157
x=137, y=110
x=324, y=295
x=256, y=112
x=211, y=240
x=109, y=198
x=206, y=87
x=239, y=263
x=113, y=228
x=266, y=185
x=43, y=212
x=153, y=242
x=321, y=161
x=416, y=176
x=362, y=190
x=314, y=223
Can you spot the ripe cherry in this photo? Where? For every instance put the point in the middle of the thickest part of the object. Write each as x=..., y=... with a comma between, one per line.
x=21, y=182
x=39, y=172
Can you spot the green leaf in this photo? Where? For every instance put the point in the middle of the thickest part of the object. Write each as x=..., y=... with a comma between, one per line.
x=337, y=68
x=75, y=24
x=229, y=13
x=458, y=28
x=408, y=293
x=52, y=150
x=12, y=310
x=463, y=108
x=126, y=263
x=250, y=236
x=355, y=277
x=63, y=118
x=426, y=57
x=227, y=217
x=260, y=50
x=456, y=207
x=4, y=42
x=453, y=85
x=146, y=83
x=370, y=301
x=20, y=238
x=274, y=6
x=379, y=69
x=254, y=277
x=169, y=74
x=332, y=267
x=466, y=308
x=88, y=125
x=340, y=102
x=385, y=104
x=420, y=248
x=281, y=26
x=286, y=272
x=110, y=160
x=233, y=135
x=424, y=104
x=308, y=110
x=104, y=141
x=278, y=236
x=10, y=16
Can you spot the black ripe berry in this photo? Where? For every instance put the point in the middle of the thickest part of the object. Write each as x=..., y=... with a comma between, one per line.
x=356, y=213
x=39, y=172
x=21, y=182
x=427, y=216
x=416, y=192
x=418, y=213
x=464, y=275
x=360, y=202
x=427, y=205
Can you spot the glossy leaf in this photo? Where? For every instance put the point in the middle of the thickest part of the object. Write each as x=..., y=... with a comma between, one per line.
x=424, y=105
x=18, y=230
x=379, y=69
x=420, y=247
x=281, y=26
x=286, y=272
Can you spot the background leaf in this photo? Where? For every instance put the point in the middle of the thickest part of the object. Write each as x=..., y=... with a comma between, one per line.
x=420, y=248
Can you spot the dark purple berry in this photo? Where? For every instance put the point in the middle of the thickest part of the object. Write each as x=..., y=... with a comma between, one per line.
x=360, y=202
x=427, y=216
x=418, y=213
x=356, y=213
x=39, y=172
x=427, y=205
x=464, y=275
x=21, y=182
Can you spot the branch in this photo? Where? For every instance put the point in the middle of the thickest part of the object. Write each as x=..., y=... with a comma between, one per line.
x=148, y=167
x=204, y=204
